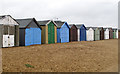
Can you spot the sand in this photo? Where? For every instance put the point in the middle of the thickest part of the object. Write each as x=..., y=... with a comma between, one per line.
x=85, y=56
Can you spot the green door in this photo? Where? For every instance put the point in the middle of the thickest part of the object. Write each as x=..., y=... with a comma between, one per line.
x=51, y=36
x=114, y=34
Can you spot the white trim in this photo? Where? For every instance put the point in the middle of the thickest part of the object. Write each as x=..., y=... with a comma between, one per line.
x=51, y=21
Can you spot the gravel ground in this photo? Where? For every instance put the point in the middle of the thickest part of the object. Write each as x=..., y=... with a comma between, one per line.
x=96, y=56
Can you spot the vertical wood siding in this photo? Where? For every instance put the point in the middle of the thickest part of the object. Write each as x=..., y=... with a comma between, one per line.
x=97, y=34
x=111, y=34
x=90, y=35
x=55, y=28
x=64, y=33
x=32, y=36
x=58, y=36
x=82, y=34
x=106, y=34
x=102, y=34
x=46, y=34
x=17, y=35
x=22, y=37
x=73, y=33
x=117, y=34
x=51, y=33
x=114, y=34
x=1, y=35
x=78, y=34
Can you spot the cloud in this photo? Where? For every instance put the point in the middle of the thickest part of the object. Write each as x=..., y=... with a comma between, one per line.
x=90, y=12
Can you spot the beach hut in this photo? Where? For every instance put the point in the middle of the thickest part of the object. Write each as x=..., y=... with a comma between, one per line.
x=49, y=31
x=9, y=31
x=106, y=33
x=81, y=32
x=101, y=33
x=110, y=33
x=73, y=32
x=117, y=34
x=30, y=32
x=97, y=34
x=62, y=31
x=90, y=34
x=114, y=33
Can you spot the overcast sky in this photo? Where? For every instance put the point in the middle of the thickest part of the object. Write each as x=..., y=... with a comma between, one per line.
x=89, y=12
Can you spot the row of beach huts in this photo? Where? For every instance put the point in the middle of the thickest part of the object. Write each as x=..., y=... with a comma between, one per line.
x=25, y=32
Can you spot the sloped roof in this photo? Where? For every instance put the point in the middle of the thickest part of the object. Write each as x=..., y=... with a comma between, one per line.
x=59, y=23
x=3, y=16
x=70, y=25
x=24, y=22
x=100, y=28
x=79, y=25
x=107, y=28
x=43, y=22
x=114, y=28
x=8, y=22
x=94, y=28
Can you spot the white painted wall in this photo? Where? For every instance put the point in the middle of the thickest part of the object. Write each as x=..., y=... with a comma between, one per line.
x=106, y=34
x=8, y=40
x=11, y=41
x=8, y=21
x=5, y=40
x=90, y=35
x=117, y=34
x=78, y=34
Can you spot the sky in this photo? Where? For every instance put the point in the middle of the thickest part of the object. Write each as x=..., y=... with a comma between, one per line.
x=94, y=13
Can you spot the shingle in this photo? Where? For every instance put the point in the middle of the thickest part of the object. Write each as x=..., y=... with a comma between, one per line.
x=79, y=25
x=70, y=25
x=100, y=28
x=107, y=28
x=43, y=22
x=114, y=28
x=23, y=22
x=2, y=17
x=94, y=28
x=59, y=23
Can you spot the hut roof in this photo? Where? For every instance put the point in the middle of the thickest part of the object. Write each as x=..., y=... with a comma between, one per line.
x=100, y=28
x=107, y=28
x=79, y=26
x=2, y=17
x=114, y=28
x=59, y=23
x=24, y=22
x=91, y=27
x=45, y=22
x=70, y=25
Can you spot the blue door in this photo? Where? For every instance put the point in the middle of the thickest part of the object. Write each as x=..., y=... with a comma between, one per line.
x=28, y=37
x=32, y=36
x=82, y=34
x=36, y=35
x=64, y=34
x=58, y=36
